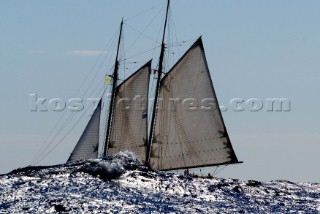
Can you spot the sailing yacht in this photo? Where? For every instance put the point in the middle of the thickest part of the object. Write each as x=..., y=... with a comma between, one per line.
x=186, y=130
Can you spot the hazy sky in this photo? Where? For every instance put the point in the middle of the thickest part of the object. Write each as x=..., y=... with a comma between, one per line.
x=255, y=49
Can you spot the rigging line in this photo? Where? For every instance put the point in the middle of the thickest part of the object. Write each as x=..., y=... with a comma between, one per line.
x=184, y=41
x=140, y=53
x=134, y=62
x=60, y=131
x=67, y=121
x=54, y=138
x=114, y=37
x=175, y=32
x=141, y=33
x=47, y=138
x=76, y=93
x=170, y=52
x=216, y=168
x=224, y=166
x=147, y=10
x=158, y=40
x=86, y=91
x=96, y=74
x=107, y=47
x=47, y=142
x=46, y=154
x=70, y=118
x=110, y=65
x=61, y=140
x=177, y=44
x=177, y=47
x=145, y=28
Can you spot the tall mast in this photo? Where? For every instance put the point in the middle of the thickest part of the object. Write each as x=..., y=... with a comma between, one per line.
x=157, y=86
x=114, y=86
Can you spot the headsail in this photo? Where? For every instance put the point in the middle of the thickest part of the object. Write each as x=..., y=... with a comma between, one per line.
x=189, y=130
x=88, y=144
x=129, y=127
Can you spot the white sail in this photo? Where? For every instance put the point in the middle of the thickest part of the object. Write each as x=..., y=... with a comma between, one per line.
x=88, y=144
x=189, y=129
x=129, y=122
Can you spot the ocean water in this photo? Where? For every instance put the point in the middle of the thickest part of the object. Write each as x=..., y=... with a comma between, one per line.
x=121, y=184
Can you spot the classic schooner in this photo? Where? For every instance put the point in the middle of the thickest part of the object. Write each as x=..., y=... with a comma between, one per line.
x=186, y=130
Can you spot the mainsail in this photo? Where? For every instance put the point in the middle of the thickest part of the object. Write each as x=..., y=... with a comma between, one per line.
x=88, y=144
x=129, y=126
x=189, y=129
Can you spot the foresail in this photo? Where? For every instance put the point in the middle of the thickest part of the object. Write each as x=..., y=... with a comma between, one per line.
x=88, y=144
x=189, y=130
x=129, y=125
